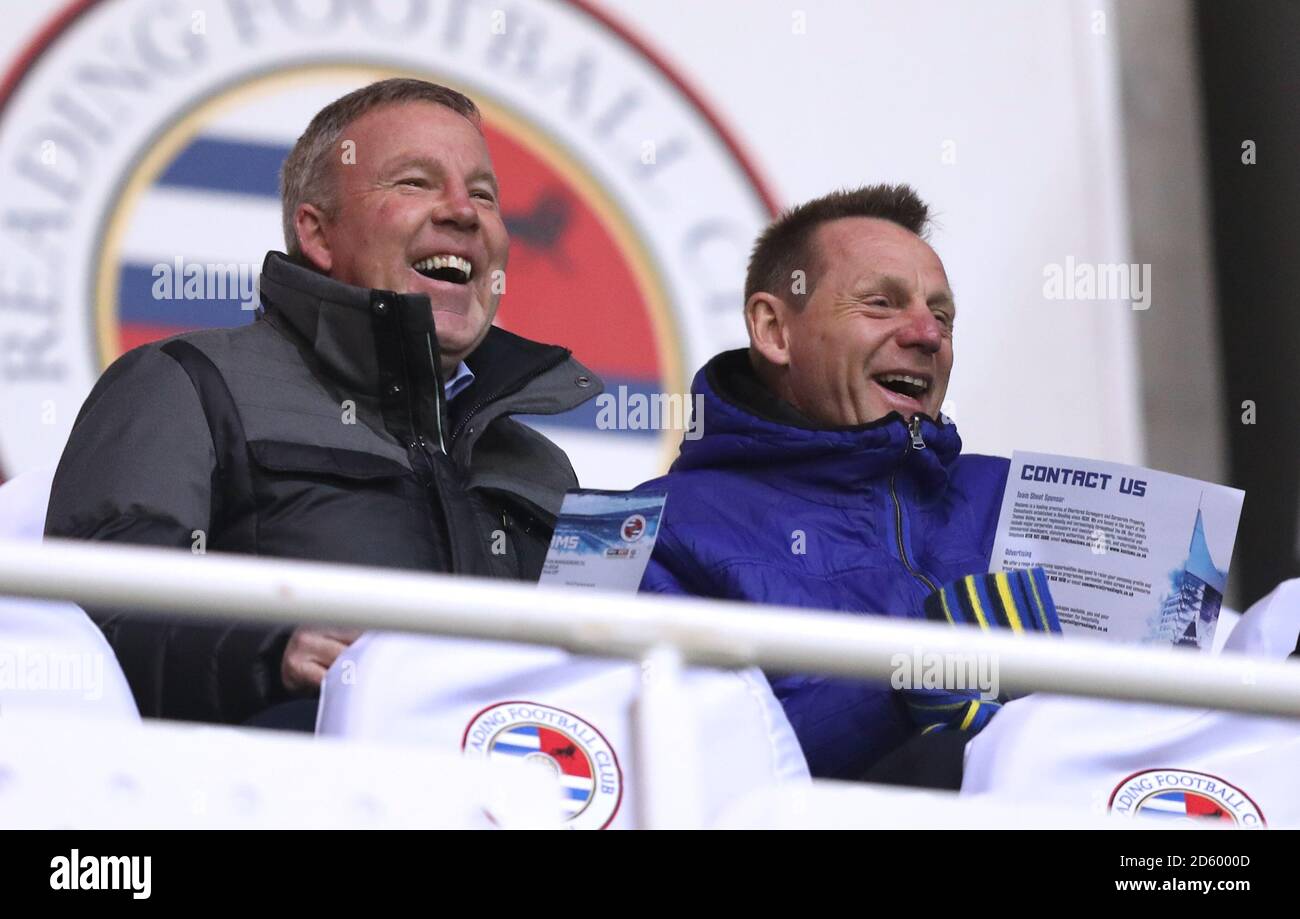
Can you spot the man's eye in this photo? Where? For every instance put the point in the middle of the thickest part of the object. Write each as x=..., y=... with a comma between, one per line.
x=484, y=195
x=412, y=180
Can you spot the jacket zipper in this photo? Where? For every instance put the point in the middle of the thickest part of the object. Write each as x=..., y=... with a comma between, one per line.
x=914, y=428
x=439, y=401
x=453, y=555
x=440, y=405
x=421, y=446
x=918, y=443
x=500, y=393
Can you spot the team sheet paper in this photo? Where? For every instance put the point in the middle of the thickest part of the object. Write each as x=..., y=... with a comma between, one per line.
x=1133, y=554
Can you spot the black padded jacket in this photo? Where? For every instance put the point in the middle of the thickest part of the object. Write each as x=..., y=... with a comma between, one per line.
x=319, y=431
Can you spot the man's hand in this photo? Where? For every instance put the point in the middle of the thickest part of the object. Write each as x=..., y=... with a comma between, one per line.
x=309, y=654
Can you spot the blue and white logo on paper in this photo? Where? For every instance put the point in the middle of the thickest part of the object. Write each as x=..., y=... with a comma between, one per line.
x=633, y=528
x=567, y=746
x=592, y=522
x=603, y=539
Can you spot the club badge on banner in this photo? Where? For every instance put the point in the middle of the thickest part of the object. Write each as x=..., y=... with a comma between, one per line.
x=140, y=146
x=1159, y=762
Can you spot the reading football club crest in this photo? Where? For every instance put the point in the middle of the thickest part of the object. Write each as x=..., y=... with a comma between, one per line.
x=1179, y=794
x=140, y=147
x=566, y=746
x=633, y=528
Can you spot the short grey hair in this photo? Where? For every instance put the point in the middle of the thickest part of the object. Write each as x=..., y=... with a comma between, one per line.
x=308, y=172
x=787, y=243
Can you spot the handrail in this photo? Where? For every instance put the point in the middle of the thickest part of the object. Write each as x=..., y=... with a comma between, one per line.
x=709, y=632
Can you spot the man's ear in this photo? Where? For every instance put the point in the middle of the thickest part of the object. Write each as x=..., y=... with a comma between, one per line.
x=766, y=318
x=309, y=222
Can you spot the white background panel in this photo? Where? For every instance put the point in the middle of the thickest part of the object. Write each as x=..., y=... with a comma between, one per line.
x=871, y=91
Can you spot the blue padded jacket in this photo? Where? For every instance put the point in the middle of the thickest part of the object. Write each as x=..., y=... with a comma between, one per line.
x=765, y=506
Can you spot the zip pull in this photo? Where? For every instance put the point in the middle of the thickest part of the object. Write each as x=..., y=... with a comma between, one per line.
x=442, y=444
x=914, y=426
x=425, y=445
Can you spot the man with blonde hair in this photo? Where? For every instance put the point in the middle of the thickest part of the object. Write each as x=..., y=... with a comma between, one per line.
x=364, y=417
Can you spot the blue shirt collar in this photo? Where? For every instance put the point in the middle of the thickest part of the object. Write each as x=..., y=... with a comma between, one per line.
x=460, y=379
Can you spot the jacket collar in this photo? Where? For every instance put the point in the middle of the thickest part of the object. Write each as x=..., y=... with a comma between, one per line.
x=745, y=425
x=383, y=344
x=338, y=322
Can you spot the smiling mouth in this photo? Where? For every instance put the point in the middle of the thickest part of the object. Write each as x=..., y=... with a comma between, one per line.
x=913, y=387
x=450, y=268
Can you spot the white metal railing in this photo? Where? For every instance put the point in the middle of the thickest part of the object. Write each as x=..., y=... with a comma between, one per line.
x=622, y=625
x=668, y=631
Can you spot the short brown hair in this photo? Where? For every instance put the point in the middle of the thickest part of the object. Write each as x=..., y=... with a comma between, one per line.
x=307, y=175
x=786, y=244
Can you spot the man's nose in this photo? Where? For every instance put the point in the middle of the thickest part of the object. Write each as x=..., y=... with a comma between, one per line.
x=456, y=207
x=921, y=329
